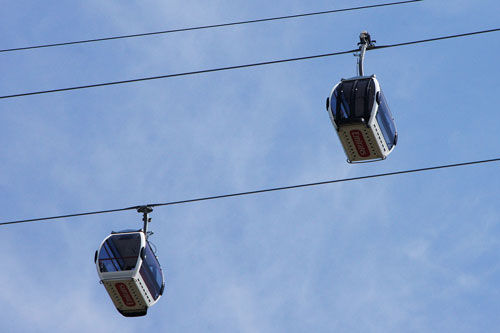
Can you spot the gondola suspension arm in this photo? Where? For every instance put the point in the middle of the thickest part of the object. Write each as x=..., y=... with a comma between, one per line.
x=365, y=43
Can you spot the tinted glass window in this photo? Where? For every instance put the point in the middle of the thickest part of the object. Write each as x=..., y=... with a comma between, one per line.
x=386, y=122
x=347, y=92
x=355, y=100
x=359, y=95
x=119, y=253
x=341, y=107
x=151, y=273
x=333, y=103
x=370, y=98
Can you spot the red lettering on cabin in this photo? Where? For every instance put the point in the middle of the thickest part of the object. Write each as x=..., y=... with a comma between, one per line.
x=360, y=143
x=125, y=294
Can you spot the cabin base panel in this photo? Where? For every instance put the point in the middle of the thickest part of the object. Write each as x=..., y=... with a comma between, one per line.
x=127, y=297
x=362, y=143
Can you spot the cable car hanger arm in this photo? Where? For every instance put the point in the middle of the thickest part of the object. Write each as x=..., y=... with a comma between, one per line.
x=365, y=43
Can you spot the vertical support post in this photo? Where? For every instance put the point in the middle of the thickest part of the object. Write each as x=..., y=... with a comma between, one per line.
x=361, y=59
x=365, y=43
x=145, y=210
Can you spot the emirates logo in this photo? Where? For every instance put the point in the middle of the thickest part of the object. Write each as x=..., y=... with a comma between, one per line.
x=127, y=298
x=360, y=143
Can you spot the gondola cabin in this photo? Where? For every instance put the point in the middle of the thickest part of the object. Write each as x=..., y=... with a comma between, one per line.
x=360, y=114
x=130, y=272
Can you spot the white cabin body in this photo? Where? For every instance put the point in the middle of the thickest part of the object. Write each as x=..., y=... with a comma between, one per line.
x=359, y=112
x=130, y=272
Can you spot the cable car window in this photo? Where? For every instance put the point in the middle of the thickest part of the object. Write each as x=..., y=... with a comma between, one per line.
x=151, y=273
x=386, y=122
x=370, y=98
x=359, y=93
x=355, y=100
x=344, y=108
x=119, y=253
x=343, y=94
x=333, y=103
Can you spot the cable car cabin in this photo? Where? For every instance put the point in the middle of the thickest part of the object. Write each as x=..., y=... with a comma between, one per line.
x=130, y=272
x=360, y=114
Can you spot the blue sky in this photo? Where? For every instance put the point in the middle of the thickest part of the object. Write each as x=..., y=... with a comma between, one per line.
x=406, y=253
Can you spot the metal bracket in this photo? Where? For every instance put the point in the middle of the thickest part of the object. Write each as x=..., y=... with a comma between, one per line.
x=145, y=210
x=365, y=43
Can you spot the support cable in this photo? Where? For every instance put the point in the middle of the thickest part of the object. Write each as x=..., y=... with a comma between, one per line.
x=282, y=188
x=206, y=26
x=243, y=66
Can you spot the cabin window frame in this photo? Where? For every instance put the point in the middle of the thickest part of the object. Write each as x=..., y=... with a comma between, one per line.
x=110, y=259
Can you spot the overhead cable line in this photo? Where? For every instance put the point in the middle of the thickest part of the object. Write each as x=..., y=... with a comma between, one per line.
x=207, y=26
x=271, y=62
x=274, y=189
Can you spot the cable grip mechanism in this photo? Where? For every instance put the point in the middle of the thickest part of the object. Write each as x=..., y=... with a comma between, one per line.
x=145, y=210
